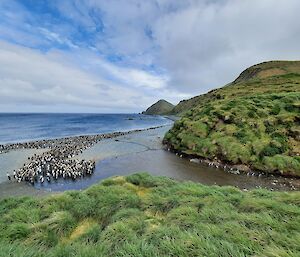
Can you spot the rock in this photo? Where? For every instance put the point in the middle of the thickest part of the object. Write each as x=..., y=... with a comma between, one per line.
x=237, y=172
x=241, y=167
x=195, y=160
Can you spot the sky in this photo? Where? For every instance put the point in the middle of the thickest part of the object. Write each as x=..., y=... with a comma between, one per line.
x=120, y=56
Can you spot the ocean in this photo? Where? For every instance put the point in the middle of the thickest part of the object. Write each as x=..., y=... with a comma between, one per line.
x=20, y=127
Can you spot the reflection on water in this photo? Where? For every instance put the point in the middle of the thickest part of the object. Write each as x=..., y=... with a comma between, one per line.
x=143, y=152
x=163, y=163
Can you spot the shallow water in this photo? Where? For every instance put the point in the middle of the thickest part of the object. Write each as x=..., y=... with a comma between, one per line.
x=136, y=152
x=143, y=152
x=14, y=160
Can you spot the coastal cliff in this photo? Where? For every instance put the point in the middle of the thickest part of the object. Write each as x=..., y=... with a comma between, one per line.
x=253, y=121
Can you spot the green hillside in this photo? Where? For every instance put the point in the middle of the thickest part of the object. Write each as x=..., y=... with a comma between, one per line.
x=161, y=107
x=254, y=120
x=140, y=215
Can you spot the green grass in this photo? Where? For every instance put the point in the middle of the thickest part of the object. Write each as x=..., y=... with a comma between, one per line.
x=161, y=107
x=141, y=215
x=253, y=121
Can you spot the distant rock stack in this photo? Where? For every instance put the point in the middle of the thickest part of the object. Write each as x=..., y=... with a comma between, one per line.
x=161, y=107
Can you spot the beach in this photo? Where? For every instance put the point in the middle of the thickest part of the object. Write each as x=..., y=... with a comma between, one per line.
x=40, y=161
x=139, y=151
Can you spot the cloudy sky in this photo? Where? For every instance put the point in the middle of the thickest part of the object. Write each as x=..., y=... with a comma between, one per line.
x=123, y=55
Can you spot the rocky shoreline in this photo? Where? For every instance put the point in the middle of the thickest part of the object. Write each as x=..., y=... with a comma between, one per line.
x=227, y=167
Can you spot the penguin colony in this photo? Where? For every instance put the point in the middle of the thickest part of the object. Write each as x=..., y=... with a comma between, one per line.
x=58, y=161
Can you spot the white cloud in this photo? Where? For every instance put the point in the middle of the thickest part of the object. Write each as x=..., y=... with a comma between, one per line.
x=52, y=36
x=207, y=44
x=31, y=78
x=136, y=77
x=168, y=49
x=201, y=44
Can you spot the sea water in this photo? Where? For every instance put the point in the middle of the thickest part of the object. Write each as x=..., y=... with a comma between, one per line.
x=20, y=127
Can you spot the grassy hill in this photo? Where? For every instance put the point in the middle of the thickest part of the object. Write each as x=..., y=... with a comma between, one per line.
x=141, y=215
x=254, y=120
x=161, y=107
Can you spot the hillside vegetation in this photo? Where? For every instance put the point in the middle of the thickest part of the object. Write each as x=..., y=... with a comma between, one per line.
x=141, y=215
x=254, y=120
x=161, y=107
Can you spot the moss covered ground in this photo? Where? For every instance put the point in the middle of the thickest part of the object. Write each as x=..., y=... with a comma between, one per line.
x=253, y=121
x=141, y=215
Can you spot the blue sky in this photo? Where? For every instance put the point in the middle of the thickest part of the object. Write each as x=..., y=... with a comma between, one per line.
x=121, y=56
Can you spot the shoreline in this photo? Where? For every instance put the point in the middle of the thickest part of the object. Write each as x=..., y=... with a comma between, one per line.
x=58, y=162
x=13, y=188
x=144, y=151
x=48, y=143
x=227, y=167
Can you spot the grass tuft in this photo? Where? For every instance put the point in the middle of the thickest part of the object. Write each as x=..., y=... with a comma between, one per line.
x=168, y=219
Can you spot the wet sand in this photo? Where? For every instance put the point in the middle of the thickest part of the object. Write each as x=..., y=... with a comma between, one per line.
x=49, y=159
x=9, y=189
x=14, y=160
x=143, y=151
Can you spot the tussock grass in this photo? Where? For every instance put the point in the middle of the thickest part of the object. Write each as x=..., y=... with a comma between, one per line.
x=170, y=219
x=253, y=121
